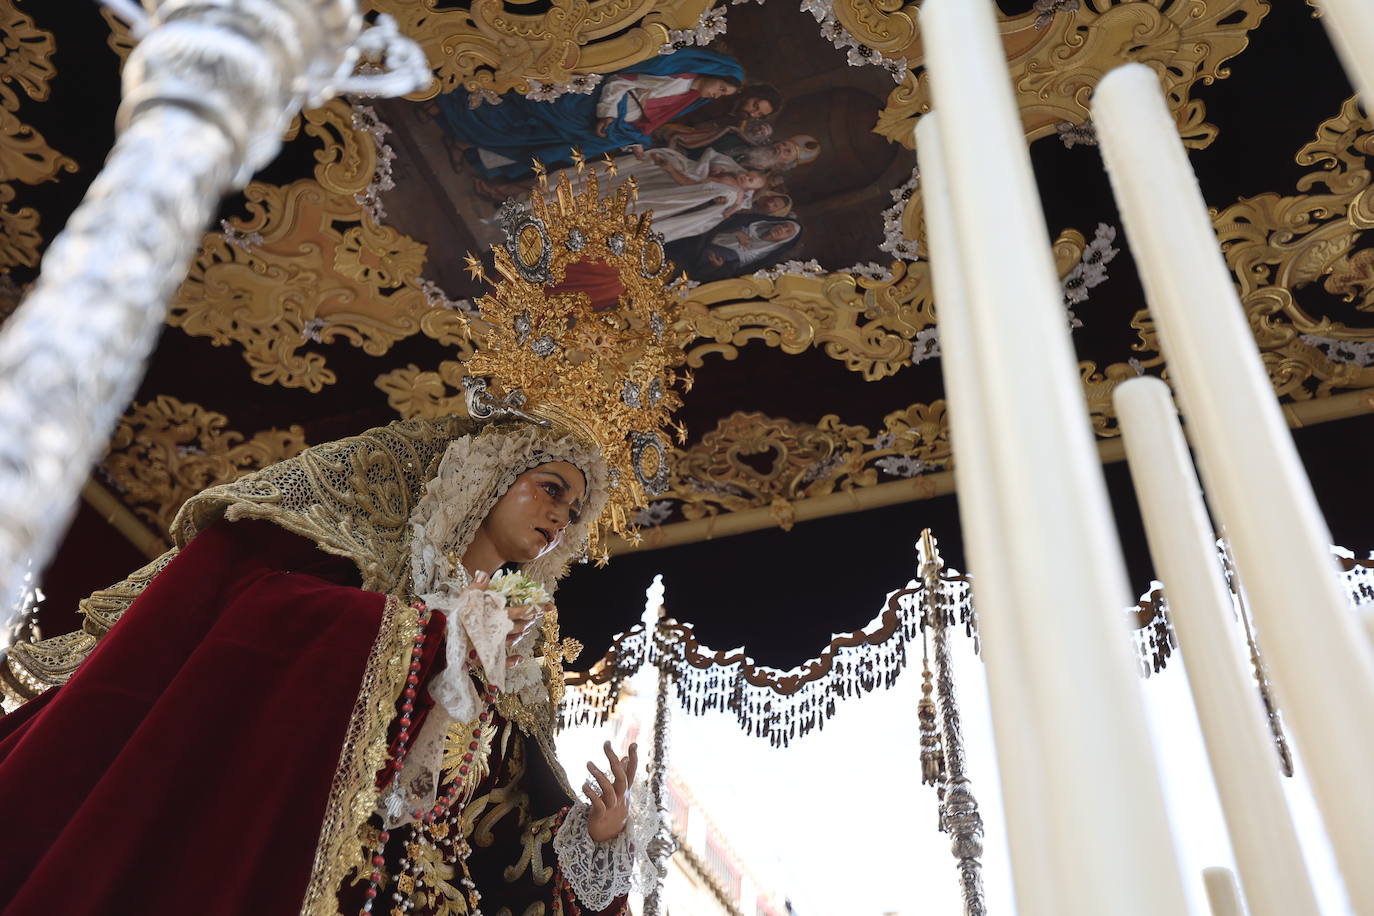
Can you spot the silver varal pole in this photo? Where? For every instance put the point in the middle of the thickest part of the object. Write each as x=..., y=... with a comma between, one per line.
x=208, y=92
x=662, y=846
x=959, y=815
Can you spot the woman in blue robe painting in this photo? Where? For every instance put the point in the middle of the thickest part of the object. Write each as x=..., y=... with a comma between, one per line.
x=743, y=243
x=624, y=111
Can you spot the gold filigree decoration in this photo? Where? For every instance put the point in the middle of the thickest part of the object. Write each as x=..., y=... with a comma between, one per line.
x=1279, y=246
x=494, y=47
x=25, y=66
x=32, y=667
x=752, y=460
x=607, y=370
x=20, y=240
x=307, y=264
x=1055, y=68
x=120, y=39
x=415, y=392
x=165, y=451
x=26, y=62
x=353, y=790
x=866, y=324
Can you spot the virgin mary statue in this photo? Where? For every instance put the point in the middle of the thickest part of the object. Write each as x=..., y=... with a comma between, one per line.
x=320, y=701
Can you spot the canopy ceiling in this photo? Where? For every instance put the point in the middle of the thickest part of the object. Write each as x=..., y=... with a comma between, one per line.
x=330, y=299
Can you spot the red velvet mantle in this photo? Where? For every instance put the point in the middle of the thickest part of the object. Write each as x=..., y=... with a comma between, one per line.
x=186, y=767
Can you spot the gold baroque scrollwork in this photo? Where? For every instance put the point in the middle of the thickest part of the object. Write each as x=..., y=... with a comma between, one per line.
x=486, y=45
x=25, y=65
x=751, y=460
x=413, y=392
x=307, y=264
x=1055, y=68
x=26, y=62
x=1278, y=246
x=165, y=451
x=20, y=239
x=866, y=324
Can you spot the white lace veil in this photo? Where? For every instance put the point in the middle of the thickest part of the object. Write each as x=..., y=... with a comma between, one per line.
x=472, y=475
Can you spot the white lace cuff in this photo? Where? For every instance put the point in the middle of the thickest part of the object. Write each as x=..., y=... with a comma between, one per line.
x=600, y=872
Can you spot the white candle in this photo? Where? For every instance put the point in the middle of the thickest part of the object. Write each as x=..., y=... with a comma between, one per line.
x=1350, y=23
x=1323, y=667
x=1222, y=892
x=1022, y=757
x=1111, y=845
x=1239, y=743
x=1366, y=614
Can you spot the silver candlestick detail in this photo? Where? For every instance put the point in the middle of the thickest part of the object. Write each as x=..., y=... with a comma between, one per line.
x=959, y=815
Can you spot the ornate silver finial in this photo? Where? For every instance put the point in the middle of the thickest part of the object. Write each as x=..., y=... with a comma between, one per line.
x=208, y=92
x=486, y=408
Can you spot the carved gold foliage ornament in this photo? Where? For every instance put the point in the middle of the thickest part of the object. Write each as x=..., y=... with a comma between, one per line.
x=164, y=451
x=752, y=460
x=494, y=46
x=20, y=239
x=120, y=40
x=1280, y=246
x=26, y=63
x=865, y=323
x=25, y=156
x=308, y=265
x=1055, y=67
x=1056, y=62
x=415, y=392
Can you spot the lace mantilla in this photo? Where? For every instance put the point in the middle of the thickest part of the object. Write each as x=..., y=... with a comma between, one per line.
x=353, y=497
x=600, y=872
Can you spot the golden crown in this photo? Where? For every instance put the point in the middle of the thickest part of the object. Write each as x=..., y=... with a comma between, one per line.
x=605, y=367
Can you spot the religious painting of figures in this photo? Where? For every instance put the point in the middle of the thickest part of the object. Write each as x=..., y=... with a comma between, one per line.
x=754, y=152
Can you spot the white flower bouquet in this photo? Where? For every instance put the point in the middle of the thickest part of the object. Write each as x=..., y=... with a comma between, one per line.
x=518, y=589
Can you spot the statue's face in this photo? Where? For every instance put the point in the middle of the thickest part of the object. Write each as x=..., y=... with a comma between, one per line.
x=530, y=518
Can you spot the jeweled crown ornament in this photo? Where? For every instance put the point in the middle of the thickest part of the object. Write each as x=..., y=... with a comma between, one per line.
x=607, y=370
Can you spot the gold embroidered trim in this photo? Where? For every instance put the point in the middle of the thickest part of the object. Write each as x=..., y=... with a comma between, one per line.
x=353, y=795
x=31, y=668
x=103, y=609
x=351, y=497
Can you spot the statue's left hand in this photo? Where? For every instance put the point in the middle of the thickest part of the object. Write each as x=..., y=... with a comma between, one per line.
x=610, y=798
